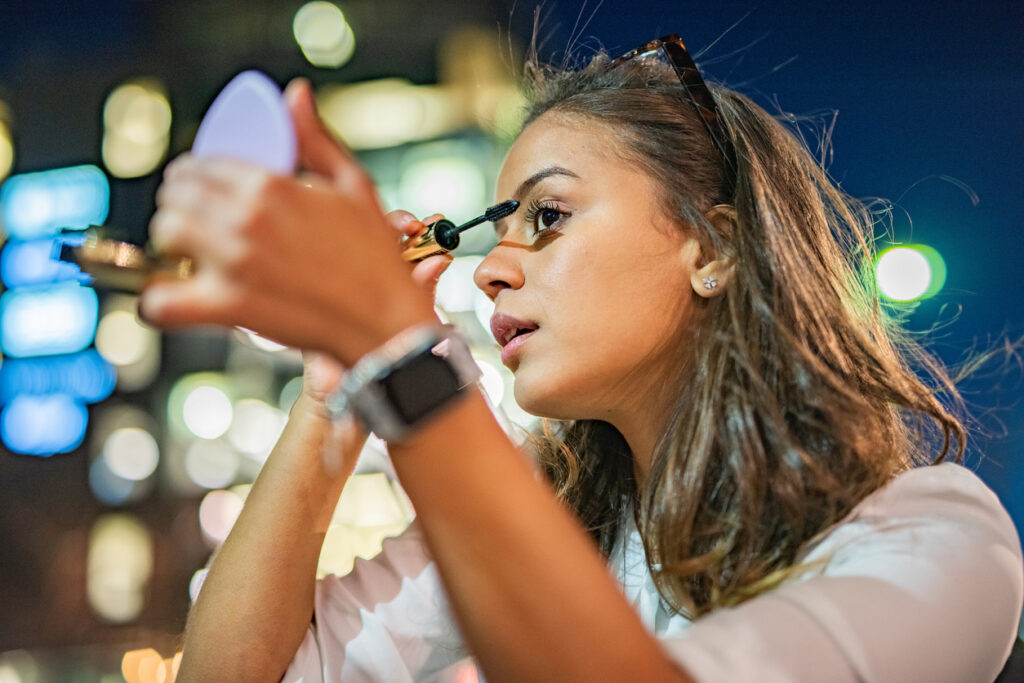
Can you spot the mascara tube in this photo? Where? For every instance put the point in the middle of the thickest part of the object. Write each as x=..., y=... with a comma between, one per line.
x=443, y=236
x=125, y=267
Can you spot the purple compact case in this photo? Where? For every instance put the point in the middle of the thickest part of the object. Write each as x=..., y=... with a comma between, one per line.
x=248, y=121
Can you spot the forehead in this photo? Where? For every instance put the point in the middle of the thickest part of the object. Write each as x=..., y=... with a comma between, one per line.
x=578, y=143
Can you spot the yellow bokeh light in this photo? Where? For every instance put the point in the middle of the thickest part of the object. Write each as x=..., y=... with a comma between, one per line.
x=6, y=150
x=324, y=36
x=122, y=339
x=137, y=123
x=388, y=112
x=119, y=566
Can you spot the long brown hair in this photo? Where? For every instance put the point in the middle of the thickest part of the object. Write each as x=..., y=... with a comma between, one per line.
x=800, y=393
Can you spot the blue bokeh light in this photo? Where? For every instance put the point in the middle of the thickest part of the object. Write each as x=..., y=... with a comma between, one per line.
x=85, y=376
x=34, y=205
x=43, y=425
x=43, y=321
x=32, y=263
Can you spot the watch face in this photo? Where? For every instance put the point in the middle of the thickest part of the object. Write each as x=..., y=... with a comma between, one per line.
x=418, y=387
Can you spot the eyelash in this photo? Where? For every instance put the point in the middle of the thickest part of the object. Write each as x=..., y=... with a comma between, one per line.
x=536, y=208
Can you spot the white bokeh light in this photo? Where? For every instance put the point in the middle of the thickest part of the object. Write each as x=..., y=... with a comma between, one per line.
x=211, y=464
x=207, y=412
x=131, y=453
x=256, y=427
x=903, y=274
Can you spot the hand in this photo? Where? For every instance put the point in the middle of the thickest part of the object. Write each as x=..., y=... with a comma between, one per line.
x=309, y=264
x=321, y=373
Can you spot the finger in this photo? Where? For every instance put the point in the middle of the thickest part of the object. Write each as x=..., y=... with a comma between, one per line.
x=167, y=304
x=319, y=151
x=170, y=234
x=427, y=272
x=221, y=174
x=404, y=222
x=432, y=218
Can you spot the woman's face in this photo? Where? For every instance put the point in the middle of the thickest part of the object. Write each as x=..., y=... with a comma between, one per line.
x=592, y=263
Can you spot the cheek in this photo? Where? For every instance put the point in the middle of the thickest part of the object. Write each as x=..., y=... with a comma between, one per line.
x=609, y=325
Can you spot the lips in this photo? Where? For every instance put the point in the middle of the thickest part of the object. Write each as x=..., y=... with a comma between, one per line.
x=505, y=328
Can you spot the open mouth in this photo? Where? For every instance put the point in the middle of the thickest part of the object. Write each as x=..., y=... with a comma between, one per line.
x=505, y=328
x=512, y=334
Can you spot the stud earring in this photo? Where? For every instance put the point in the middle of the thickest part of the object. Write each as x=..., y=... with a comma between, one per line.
x=710, y=282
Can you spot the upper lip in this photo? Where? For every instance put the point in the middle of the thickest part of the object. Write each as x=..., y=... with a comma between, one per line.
x=502, y=325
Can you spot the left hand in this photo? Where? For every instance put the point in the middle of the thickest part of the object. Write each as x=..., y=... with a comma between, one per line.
x=309, y=264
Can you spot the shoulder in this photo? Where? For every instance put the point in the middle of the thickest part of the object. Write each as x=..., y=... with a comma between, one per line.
x=927, y=509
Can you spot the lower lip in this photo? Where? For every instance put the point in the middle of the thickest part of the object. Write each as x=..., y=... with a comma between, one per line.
x=512, y=348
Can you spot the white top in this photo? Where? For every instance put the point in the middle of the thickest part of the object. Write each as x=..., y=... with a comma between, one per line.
x=922, y=582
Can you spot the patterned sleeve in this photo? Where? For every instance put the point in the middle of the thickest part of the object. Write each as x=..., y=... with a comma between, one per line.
x=386, y=620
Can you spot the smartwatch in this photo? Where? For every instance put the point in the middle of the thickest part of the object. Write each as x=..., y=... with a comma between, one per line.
x=394, y=389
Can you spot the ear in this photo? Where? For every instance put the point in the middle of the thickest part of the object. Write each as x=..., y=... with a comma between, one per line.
x=710, y=278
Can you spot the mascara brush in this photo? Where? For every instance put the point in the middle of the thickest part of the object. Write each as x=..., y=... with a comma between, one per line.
x=443, y=236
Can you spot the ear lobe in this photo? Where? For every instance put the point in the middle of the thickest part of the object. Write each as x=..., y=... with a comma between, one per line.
x=712, y=278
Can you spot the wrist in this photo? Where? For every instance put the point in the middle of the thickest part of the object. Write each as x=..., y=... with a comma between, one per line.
x=401, y=385
x=390, y=319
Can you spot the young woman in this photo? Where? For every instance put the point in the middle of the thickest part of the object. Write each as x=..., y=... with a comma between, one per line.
x=729, y=489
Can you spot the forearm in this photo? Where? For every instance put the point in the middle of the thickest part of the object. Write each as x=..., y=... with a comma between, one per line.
x=257, y=600
x=531, y=592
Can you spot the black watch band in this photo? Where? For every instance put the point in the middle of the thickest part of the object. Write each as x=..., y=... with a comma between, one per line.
x=395, y=388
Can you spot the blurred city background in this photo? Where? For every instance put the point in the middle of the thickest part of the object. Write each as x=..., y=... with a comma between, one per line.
x=126, y=454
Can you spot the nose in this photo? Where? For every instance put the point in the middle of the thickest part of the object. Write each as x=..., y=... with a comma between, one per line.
x=499, y=270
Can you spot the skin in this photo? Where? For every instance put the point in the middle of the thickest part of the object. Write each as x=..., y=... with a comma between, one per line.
x=607, y=277
x=342, y=291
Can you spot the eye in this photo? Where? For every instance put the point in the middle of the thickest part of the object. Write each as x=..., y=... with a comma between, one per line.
x=545, y=216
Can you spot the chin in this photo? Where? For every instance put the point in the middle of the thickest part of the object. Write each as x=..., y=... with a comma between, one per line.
x=547, y=397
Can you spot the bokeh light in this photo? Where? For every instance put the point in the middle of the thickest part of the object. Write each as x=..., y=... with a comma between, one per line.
x=455, y=289
x=31, y=263
x=211, y=464
x=492, y=381
x=131, y=453
x=110, y=489
x=195, y=584
x=35, y=205
x=323, y=34
x=43, y=425
x=6, y=148
x=137, y=125
x=207, y=412
x=120, y=564
x=217, y=514
x=289, y=394
x=910, y=273
x=145, y=666
x=38, y=322
x=84, y=376
x=451, y=185
x=255, y=427
x=127, y=343
x=387, y=112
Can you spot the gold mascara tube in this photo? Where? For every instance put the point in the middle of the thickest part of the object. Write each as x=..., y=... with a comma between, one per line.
x=126, y=267
x=443, y=236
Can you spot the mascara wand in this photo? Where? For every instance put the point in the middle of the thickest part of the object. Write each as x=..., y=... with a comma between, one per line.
x=443, y=236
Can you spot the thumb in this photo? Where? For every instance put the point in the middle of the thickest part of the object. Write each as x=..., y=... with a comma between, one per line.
x=319, y=152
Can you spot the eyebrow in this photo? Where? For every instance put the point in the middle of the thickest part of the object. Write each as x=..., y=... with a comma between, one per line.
x=531, y=182
x=540, y=175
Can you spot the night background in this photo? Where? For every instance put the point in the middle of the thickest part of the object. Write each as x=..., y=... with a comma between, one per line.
x=922, y=102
